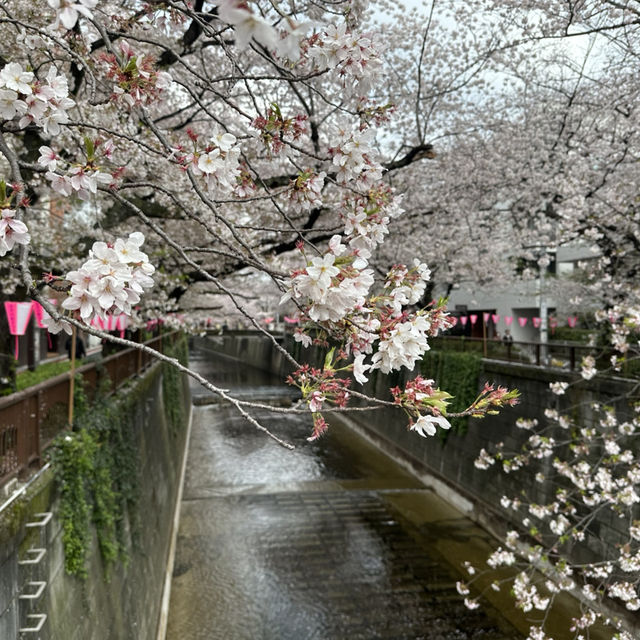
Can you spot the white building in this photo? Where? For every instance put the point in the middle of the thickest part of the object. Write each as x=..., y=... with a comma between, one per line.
x=524, y=301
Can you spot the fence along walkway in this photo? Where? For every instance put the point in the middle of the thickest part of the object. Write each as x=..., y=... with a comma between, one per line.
x=553, y=354
x=30, y=419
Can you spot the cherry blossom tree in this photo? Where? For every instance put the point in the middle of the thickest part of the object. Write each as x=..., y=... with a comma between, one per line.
x=242, y=138
x=346, y=157
x=552, y=161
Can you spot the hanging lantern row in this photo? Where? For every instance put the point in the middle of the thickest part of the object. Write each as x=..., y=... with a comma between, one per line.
x=508, y=320
x=19, y=315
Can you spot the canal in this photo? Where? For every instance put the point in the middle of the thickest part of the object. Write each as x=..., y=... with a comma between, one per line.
x=331, y=541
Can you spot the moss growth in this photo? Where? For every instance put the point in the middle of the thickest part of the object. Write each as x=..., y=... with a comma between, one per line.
x=97, y=465
x=36, y=499
x=171, y=381
x=459, y=374
x=72, y=457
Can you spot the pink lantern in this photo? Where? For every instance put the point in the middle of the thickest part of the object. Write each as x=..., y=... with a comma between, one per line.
x=485, y=317
x=122, y=323
x=453, y=320
x=268, y=320
x=553, y=322
x=495, y=317
x=18, y=316
x=572, y=321
x=508, y=320
x=522, y=321
x=289, y=320
x=40, y=315
x=536, y=322
x=463, y=320
x=473, y=317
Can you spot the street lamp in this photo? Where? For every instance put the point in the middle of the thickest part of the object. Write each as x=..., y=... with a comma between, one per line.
x=541, y=252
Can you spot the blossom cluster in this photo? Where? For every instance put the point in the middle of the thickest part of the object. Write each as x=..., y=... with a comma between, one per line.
x=402, y=343
x=109, y=282
x=44, y=104
x=356, y=58
x=366, y=219
x=275, y=129
x=419, y=396
x=597, y=473
x=136, y=80
x=319, y=386
x=217, y=162
x=306, y=189
x=333, y=294
x=331, y=285
x=354, y=156
x=81, y=179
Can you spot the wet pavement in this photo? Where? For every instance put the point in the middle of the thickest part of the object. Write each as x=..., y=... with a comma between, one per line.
x=331, y=541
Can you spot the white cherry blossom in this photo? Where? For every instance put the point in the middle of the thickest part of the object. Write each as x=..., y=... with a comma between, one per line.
x=14, y=77
x=426, y=425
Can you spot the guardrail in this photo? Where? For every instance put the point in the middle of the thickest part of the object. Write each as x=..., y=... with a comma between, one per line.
x=554, y=354
x=30, y=419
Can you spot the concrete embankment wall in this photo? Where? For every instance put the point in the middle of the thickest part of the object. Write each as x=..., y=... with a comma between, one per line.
x=449, y=466
x=120, y=604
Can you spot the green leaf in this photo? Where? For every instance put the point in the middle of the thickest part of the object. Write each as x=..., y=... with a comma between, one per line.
x=90, y=147
x=329, y=358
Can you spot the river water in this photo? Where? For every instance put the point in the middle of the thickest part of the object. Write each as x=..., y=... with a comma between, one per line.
x=330, y=541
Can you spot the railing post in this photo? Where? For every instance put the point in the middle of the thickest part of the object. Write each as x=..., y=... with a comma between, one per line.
x=538, y=354
x=139, y=364
x=572, y=358
x=72, y=374
x=22, y=453
x=38, y=422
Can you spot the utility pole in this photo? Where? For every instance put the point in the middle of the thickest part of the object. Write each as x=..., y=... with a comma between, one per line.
x=544, y=309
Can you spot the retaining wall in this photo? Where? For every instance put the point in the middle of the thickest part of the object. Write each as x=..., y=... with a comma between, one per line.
x=124, y=605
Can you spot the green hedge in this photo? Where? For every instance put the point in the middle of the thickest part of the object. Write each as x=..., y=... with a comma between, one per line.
x=26, y=379
x=571, y=334
x=459, y=374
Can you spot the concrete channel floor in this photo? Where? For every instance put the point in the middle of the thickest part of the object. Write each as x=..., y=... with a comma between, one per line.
x=331, y=541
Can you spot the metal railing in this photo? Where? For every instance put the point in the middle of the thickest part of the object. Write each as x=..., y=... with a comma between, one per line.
x=554, y=354
x=30, y=419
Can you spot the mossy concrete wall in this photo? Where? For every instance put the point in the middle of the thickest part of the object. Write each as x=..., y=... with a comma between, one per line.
x=254, y=349
x=125, y=605
x=450, y=463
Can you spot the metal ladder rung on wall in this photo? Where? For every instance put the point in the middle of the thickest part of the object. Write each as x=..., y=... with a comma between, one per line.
x=40, y=619
x=43, y=522
x=39, y=585
x=36, y=556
